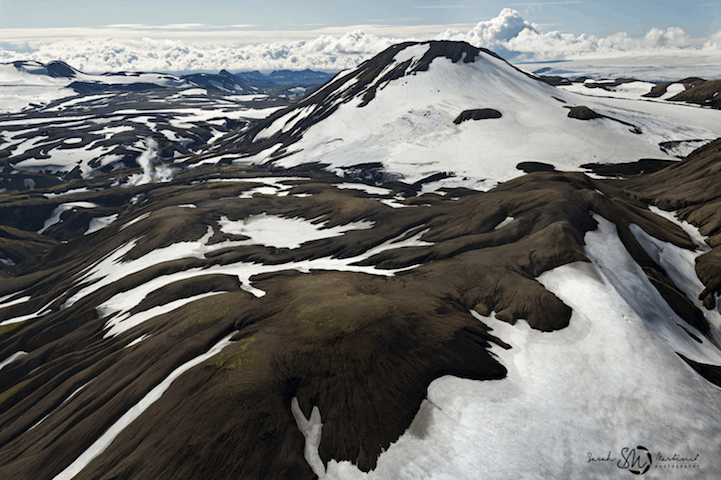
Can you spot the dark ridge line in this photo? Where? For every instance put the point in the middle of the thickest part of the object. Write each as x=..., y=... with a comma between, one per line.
x=712, y=373
x=582, y=112
x=627, y=169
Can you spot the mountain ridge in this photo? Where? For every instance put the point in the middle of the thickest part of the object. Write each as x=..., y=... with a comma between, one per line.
x=243, y=81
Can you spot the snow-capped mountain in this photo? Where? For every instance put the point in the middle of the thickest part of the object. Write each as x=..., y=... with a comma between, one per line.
x=243, y=312
x=57, y=69
x=27, y=85
x=28, y=72
x=405, y=110
x=60, y=73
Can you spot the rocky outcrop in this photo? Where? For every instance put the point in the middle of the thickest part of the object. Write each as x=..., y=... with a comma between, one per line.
x=477, y=114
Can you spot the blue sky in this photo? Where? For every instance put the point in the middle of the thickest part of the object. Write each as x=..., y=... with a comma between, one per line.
x=192, y=35
x=698, y=18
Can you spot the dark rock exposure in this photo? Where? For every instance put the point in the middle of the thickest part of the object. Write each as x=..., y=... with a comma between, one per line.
x=584, y=113
x=238, y=320
x=531, y=167
x=477, y=114
x=696, y=90
x=645, y=165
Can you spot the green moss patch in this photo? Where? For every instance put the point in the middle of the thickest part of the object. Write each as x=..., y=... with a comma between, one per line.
x=4, y=396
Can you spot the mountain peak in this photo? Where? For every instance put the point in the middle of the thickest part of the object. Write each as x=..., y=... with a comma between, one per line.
x=403, y=111
x=362, y=84
x=55, y=69
x=59, y=68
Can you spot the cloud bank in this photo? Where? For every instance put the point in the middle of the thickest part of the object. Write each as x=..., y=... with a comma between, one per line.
x=508, y=34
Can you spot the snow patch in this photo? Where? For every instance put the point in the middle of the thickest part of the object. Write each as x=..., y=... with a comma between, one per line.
x=137, y=340
x=136, y=220
x=125, y=301
x=503, y=223
x=673, y=90
x=680, y=266
x=68, y=192
x=39, y=422
x=100, y=223
x=123, y=323
x=312, y=429
x=281, y=232
x=608, y=254
x=43, y=311
x=371, y=190
x=12, y=358
x=55, y=217
x=75, y=392
x=17, y=301
x=692, y=231
x=272, y=185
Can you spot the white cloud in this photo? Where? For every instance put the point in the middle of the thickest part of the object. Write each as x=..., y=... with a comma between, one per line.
x=195, y=47
x=714, y=42
x=505, y=27
x=513, y=36
x=324, y=52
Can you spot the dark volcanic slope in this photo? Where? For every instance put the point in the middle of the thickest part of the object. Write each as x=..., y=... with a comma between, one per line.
x=361, y=346
x=701, y=93
x=697, y=90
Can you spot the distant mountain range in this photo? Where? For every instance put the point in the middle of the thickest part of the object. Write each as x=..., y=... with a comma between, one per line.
x=29, y=72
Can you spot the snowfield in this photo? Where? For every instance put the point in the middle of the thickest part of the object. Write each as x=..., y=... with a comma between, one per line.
x=611, y=380
x=408, y=126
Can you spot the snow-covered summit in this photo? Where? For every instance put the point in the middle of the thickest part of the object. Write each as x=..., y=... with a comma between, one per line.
x=56, y=69
x=60, y=73
x=399, y=109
